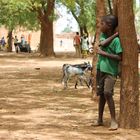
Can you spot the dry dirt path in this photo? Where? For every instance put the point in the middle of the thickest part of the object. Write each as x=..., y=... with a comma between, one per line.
x=34, y=106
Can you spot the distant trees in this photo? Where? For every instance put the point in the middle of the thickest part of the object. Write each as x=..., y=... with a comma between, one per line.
x=44, y=10
x=83, y=12
x=30, y=15
x=67, y=30
x=15, y=14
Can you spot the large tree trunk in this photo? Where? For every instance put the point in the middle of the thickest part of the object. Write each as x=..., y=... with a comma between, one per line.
x=86, y=30
x=100, y=11
x=46, y=38
x=115, y=11
x=83, y=30
x=129, y=98
x=9, y=48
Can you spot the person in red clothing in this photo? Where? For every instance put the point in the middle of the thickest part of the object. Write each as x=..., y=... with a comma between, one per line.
x=76, y=43
x=29, y=39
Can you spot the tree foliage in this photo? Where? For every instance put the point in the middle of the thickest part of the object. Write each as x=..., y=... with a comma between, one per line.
x=44, y=10
x=15, y=13
x=83, y=12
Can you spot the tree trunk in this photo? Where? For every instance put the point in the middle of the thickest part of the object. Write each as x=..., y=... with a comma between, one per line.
x=46, y=38
x=83, y=29
x=115, y=12
x=9, y=48
x=109, y=5
x=100, y=11
x=86, y=30
x=129, y=98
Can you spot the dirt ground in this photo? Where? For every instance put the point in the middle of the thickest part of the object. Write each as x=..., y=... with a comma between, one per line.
x=34, y=105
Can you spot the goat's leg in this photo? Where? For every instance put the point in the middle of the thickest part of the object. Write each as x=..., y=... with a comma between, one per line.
x=87, y=83
x=90, y=82
x=78, y=80
x=62, y=80
x=85, y=79
x=66, y=81
x=76, y=83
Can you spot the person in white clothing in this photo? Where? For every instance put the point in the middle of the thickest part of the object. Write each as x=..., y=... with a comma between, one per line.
x=85, y=46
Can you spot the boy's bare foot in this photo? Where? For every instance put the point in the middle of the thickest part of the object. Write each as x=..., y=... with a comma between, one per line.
x=114, y=126
x=97, y=123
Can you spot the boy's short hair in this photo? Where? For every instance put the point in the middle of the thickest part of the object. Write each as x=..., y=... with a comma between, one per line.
x=111, y=20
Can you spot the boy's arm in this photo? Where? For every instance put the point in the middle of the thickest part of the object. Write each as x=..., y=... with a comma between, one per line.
x=105, y=42
x=112, y=56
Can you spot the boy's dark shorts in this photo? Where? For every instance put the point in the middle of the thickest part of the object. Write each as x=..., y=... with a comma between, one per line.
x=105, y=83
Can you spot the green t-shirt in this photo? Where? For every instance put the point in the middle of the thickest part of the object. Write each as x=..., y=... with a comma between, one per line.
x=106, y=64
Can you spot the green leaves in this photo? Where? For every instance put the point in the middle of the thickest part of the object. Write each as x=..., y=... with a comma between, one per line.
x=69, y=3
x=83, y=11
x=25, y=13
x=15, y=13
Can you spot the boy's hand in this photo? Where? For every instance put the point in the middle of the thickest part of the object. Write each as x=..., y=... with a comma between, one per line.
x=116, y=34
x=101, y=52
x=107, y=41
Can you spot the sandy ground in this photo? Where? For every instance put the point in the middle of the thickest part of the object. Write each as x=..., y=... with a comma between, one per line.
x=34, y=106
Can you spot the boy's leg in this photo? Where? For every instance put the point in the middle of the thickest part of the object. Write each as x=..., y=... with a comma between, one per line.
x=108, y=93
x=111, y=105
x=101, y=105
x=100, y=87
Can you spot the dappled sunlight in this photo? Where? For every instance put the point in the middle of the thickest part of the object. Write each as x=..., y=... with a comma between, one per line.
x=34, y=105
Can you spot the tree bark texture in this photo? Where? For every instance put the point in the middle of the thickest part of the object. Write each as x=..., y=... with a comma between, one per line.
x=83, y=30
x=129, y=97
x=9, y=48
x=115, y=11
x=46, y=38
x=100, y=11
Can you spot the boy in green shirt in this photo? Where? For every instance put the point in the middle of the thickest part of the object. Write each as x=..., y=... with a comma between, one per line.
x=107, y=68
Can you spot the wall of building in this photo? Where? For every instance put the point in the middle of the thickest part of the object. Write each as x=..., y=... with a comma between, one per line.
x=67, y=39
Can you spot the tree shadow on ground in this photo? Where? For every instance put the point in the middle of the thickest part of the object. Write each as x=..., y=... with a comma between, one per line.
x=33, y=105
